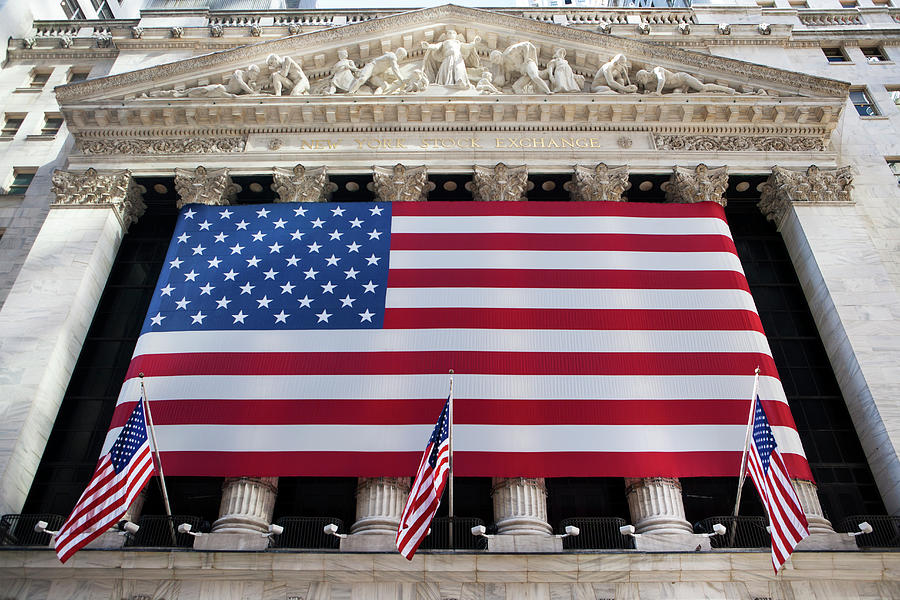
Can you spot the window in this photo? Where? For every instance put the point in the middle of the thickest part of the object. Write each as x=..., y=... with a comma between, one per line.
x=874, y=55
x=797, y=4
x=864, y=105
x=72, y=10
x=20, y=182
x=835, y=55
x=894, y=164
x=849, y=3
x=105, y=12
x=79, y=75
x=11, y=124
x=39, y=79
x=895, y=96
x=765, y=3
x=52, y=123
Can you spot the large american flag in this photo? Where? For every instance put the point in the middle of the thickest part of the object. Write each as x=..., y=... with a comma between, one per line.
x=588, y=338
x=428, y=486
x=119, y=477
x=787, y=523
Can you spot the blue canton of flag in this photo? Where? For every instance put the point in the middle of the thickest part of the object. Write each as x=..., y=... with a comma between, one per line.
x=439, y=435
x=762, y=437
x=132, y=438
x=278, y=266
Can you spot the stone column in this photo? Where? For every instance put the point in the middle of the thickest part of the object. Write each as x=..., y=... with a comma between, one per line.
x=520, y=513
x=379, y=506
x=49, y=309
x=784, y=190
x=656, y=505
x=247, y=505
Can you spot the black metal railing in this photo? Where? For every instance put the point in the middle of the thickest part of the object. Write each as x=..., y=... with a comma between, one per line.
x=18, y=530
x=307, y=532
x=439, y=538
x=885, y=530
x=160, y=531
x=740, y=532
x=596, y=533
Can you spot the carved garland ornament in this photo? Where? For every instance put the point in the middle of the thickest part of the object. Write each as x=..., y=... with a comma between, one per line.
x=784, y=187
x=734, y=143
x=165, y=146
x=116, y=190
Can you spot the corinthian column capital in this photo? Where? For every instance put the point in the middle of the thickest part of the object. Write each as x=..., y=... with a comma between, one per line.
x=302, y=185
x=400, y=183
x=702, y=184
x=499, y=183
x=600, y=183
x=784, y=187
x=96, y=189
x=205, y=187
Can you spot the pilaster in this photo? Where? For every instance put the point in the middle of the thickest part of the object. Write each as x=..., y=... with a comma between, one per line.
x=200, y=186
x=401, y=184
x=702, y=184
x=302, y=185
x=48, y=311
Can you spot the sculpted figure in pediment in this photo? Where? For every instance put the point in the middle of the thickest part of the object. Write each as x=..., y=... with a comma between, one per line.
x=242, y=81
x=485, y=85
x=497, y=69
x=659, y=80
x=343, y=74
x=522, y=58
x=612, y=77
x=287, y=74
x=560, y=74
x=380, y=73
x=446, y=62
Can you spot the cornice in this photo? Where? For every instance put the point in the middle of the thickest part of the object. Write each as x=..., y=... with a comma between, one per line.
x=314, y=41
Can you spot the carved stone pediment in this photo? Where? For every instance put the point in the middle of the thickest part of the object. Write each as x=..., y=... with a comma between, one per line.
x=452, y=66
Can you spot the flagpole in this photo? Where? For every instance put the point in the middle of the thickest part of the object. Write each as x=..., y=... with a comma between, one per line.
x=742, y=476
x=450, y=448
x=162, y=478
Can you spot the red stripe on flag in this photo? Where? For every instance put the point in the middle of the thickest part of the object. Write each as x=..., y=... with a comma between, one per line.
x=563, y=242
x=567, y=279
x=572, y=319
x=487, y=363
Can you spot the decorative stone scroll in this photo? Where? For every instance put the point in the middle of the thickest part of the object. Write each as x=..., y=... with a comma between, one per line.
x=499, y=183
x=247, y=505
x=116, y=190
x=520, y=506
x=738, y=143
x=205, y=187
x=785, y=187
x=302, y=185
x=401, y=184
x=163, y=146
x=656, y=505
x=702, y=184
x=600, y=183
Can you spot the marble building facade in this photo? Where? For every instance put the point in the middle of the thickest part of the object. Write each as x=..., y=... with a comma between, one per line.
x=598, y=96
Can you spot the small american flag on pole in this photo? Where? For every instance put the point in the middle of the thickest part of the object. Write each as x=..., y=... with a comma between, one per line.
x=120, y=476
x=425, y=495
x=773, y=482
